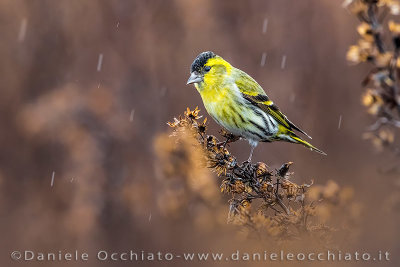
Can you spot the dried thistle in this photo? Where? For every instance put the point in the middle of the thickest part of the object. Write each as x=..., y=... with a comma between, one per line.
x=382, y=94
x=266, y=201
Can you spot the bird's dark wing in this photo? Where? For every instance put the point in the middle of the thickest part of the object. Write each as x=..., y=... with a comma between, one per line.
x=264, y=103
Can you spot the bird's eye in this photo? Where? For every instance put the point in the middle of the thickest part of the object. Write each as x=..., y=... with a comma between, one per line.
x=207, y=68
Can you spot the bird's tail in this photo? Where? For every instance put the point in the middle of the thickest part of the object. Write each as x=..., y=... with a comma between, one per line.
x=298, y=140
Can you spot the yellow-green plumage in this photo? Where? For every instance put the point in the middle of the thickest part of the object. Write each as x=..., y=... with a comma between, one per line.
x=239, y=104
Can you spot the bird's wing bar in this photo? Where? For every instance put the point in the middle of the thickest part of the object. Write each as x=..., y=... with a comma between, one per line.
x=265, y=104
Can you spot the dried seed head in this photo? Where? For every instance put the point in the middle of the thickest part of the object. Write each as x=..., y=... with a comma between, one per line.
x=267, y=187
x=202, y=127
x=226, y=187
x=261, y=169
x=239, y=187
x=290, y=187
x=284, y=169
x=211, y=140
x=193, y=114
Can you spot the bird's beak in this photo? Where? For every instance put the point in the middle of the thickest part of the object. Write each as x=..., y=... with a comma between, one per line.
x=194, y=78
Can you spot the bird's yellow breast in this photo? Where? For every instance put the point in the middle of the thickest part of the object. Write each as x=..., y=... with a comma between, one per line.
x=220, y=104
x=216, y=94
x=215, y=99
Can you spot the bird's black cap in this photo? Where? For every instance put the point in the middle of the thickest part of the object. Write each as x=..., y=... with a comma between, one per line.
x=201, y=60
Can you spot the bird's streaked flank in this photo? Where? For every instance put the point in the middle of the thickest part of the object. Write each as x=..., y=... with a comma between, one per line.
x=239, y=104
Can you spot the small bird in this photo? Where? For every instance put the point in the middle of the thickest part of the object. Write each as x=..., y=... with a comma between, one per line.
x=239, y=104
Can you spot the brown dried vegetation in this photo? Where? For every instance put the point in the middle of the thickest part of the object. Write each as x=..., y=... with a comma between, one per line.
x=378, y=45
x=266, y=202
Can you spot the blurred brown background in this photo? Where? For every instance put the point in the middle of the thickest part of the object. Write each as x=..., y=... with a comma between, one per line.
x=93, y=123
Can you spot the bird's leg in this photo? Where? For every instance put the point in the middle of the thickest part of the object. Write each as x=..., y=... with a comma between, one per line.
x=247, y=163
x=251, y=154
x=252, y=144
